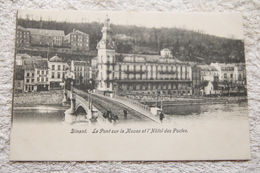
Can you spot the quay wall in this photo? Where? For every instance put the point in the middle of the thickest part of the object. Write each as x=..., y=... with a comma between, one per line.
x=186, y=101
x=53, y=97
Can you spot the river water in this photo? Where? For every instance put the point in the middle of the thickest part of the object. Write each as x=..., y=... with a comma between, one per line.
x=55, y=114
x=208, y=111
x=39, y=113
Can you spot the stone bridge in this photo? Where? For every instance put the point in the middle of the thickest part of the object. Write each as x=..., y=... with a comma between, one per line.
x=81, y=105
x=80, y=109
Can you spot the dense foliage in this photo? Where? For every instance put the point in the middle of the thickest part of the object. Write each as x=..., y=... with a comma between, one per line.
x=186, y=45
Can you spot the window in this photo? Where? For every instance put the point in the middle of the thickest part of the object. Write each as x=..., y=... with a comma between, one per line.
x=28, y=74
x=38, y=72
x=32, y=80
x=58, y=67
x=225, y=75
x=19, y=84
x=52, y=75
x=42, y=72
x=38, y=79
x=32, y=74
x=27, y=80
x=53, y=67
x=58, y=74
x=42, y=79
x=46, y=71
x=231, y=75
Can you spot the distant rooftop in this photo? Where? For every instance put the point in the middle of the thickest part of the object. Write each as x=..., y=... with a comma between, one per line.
x=46, y=32
x=148, y=58
x=28, y=65
x=21, y=28
x=78, y=32
x=80, y=63
x=41, y=64
x=207, y=68
x=56, y=59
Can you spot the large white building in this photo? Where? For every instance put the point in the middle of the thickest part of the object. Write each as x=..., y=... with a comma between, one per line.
x=145, y=74
x=230, y=72
x=81, y=69
x=57, y=67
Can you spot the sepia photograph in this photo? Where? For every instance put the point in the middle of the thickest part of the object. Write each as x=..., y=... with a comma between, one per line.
x=129, y=86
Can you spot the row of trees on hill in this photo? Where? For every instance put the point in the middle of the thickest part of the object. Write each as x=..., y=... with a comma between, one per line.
x=185, y=45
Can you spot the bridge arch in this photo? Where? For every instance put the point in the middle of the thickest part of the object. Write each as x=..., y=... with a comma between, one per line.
x=81, y=108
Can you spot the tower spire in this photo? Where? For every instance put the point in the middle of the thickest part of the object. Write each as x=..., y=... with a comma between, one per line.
x=106, y=57
x=106, y=41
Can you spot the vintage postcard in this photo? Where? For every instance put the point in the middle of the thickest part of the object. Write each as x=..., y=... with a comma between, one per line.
x=127, y=86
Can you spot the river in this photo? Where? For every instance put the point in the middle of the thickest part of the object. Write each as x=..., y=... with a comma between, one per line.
x=207, y=111
x=39, y=114
x=55, y=114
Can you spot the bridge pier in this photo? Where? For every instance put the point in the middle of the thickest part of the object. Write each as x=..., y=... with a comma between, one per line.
x=70, y=115
x=65, y=99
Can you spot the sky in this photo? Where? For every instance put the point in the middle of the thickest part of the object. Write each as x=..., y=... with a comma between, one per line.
x=228, y=25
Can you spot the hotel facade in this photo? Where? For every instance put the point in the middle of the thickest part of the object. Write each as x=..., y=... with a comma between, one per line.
x=142, y=74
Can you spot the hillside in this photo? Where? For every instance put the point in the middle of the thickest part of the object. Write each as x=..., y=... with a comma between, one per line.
x=186, y=45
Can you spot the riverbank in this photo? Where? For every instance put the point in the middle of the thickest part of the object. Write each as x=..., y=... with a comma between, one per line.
x=194, y=101
x=53, y=97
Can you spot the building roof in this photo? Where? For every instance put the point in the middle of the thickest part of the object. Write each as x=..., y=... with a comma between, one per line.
x=207, y=68
x=41, y=64
x=76, y=32
x=23, y=55
x=80, y=63
x=21, y=28
x=28, y=65
x=79, y=32
x=46, y=32
x=56, y=59
x=227, y=68
x=137, y=58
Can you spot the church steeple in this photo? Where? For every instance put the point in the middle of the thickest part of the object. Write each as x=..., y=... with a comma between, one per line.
x=106, y=41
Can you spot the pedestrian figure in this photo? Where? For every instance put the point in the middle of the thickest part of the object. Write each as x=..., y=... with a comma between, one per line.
x=125, y=113
x=115, y=118
x=105, y=115
x=161, y=116
x=109, y=115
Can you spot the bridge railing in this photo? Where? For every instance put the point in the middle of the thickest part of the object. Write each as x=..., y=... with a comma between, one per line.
x=134, y=102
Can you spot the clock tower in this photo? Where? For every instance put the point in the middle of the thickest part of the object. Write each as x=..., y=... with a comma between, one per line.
x=106, y=59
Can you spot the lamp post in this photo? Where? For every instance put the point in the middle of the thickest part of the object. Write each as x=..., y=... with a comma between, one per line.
x=156, y=98
x=72, y=98
x=64, y=93
x=161, y=101
x=90, y=94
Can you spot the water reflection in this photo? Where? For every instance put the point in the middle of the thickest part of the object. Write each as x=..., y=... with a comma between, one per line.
x=55, y=114
x=42, y=114
x=228, y=111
